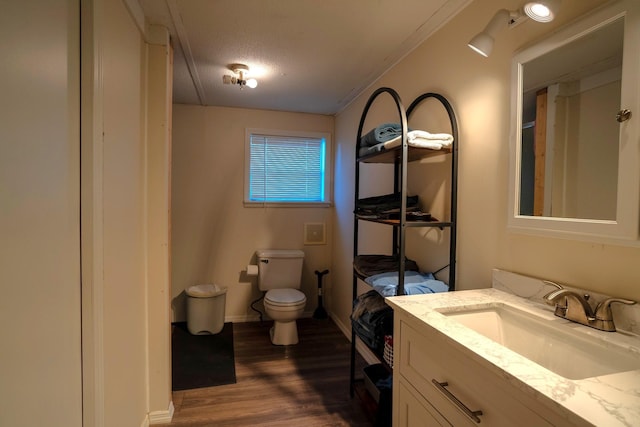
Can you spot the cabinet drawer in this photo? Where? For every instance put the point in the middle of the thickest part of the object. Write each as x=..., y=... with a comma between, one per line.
x=426, y=356
x=414, y=411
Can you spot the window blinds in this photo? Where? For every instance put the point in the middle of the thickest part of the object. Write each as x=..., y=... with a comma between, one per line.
x=286, y=169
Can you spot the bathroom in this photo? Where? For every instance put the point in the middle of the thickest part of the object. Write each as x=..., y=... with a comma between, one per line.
x=214, y=237
x=480, y=90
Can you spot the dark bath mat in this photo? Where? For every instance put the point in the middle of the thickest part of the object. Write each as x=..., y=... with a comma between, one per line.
x=202, y=360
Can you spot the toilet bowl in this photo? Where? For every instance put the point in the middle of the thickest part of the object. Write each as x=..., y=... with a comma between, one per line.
x=284, y=306
x=279, y=276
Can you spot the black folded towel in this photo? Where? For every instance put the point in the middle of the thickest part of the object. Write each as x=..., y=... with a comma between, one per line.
x=380, y=204
x=370, y=265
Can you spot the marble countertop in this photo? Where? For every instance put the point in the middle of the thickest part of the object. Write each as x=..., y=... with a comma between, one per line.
x=608, y=400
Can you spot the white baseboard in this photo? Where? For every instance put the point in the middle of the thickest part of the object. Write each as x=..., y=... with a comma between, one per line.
x=366, y=354
x=242, y=318
x=161, y=417
x=364, y=351
x=346, y=331
x=255, y=317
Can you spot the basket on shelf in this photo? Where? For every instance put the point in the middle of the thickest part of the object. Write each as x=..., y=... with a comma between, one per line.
x=388, y=350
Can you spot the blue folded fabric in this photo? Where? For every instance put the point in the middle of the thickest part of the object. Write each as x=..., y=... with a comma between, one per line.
x=382, y=133
x=385, y=383
x=386, y=284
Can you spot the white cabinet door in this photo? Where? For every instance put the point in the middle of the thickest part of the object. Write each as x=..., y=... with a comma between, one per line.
x=414, y=411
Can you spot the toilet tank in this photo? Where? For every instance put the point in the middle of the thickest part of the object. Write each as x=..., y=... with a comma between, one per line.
x=279, y=268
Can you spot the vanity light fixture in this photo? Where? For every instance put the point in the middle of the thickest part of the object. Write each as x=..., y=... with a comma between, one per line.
x=483, y=41
x=240, y=71
x=541, y=11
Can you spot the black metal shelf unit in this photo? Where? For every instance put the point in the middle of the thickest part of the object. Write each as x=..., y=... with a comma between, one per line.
x=400, y=156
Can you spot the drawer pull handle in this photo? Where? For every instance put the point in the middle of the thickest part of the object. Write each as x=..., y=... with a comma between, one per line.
x=474, y=415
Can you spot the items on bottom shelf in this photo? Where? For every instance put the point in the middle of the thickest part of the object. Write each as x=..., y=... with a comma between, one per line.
x=372, y=319
x=377, y=378
x=378, y=381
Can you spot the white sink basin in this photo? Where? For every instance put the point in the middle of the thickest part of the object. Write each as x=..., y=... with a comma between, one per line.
x=553, y=345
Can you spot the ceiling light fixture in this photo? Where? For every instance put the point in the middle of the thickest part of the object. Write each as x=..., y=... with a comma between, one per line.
x=240, y=71
x=540, y=11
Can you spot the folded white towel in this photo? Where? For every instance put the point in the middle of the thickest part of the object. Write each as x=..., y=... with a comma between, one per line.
x=425, y=139
x=415, y=138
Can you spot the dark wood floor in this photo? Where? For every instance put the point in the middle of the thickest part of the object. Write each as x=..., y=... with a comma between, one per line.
x=302, y=385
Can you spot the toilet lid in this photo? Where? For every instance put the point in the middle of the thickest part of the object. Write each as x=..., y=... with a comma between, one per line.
x=285, y=297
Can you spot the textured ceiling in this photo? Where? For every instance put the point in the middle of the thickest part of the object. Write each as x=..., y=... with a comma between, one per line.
x=310, y=56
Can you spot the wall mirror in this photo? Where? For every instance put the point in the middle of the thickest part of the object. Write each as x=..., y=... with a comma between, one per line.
x=574, y=166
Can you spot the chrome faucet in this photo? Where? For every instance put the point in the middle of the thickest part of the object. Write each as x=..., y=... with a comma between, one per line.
x=604, y=316
x=575, y=307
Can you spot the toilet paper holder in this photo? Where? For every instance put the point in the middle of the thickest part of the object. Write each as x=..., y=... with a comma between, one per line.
x=252, y=270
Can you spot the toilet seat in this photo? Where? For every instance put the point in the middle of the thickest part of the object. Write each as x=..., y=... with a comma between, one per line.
x=285, y=297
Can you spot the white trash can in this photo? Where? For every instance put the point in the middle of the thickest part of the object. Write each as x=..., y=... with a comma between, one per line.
x=205, y=308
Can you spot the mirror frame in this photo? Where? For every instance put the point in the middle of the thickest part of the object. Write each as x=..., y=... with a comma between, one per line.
x=625, y=226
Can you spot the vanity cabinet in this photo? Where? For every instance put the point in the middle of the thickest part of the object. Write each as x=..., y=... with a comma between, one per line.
x=415, y=411
x=439, y=383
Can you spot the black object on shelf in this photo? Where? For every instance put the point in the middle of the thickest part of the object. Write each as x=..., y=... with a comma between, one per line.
x=381, y=205
x=371, y=320
x=377, y=378
x=377, y=381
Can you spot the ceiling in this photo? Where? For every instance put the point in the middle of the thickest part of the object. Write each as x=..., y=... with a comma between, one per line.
x=311, y=56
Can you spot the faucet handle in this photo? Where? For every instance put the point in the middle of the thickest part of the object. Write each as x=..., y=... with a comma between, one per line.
x=554, y=295
x=550, y=283
x=550, y=297
x=575, y=306
x=603, y=310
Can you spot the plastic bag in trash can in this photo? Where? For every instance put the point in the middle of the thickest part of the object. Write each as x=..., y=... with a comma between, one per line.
x=205, y=291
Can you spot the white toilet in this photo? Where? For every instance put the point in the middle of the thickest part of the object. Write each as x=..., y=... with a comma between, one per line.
x=280, y=273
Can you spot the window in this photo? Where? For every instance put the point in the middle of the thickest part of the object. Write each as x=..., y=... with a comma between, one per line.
x=289, y=168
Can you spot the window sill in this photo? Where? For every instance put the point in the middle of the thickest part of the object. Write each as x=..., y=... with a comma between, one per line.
x=287, y=204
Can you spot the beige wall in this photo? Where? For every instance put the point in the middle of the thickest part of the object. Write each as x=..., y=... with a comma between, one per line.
x=124, y=298
x=214, y=236
x=125, y=209
x=479, y=89
x=40, y=341
x=47, y=182
x=158, y=210
x=592, y=179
